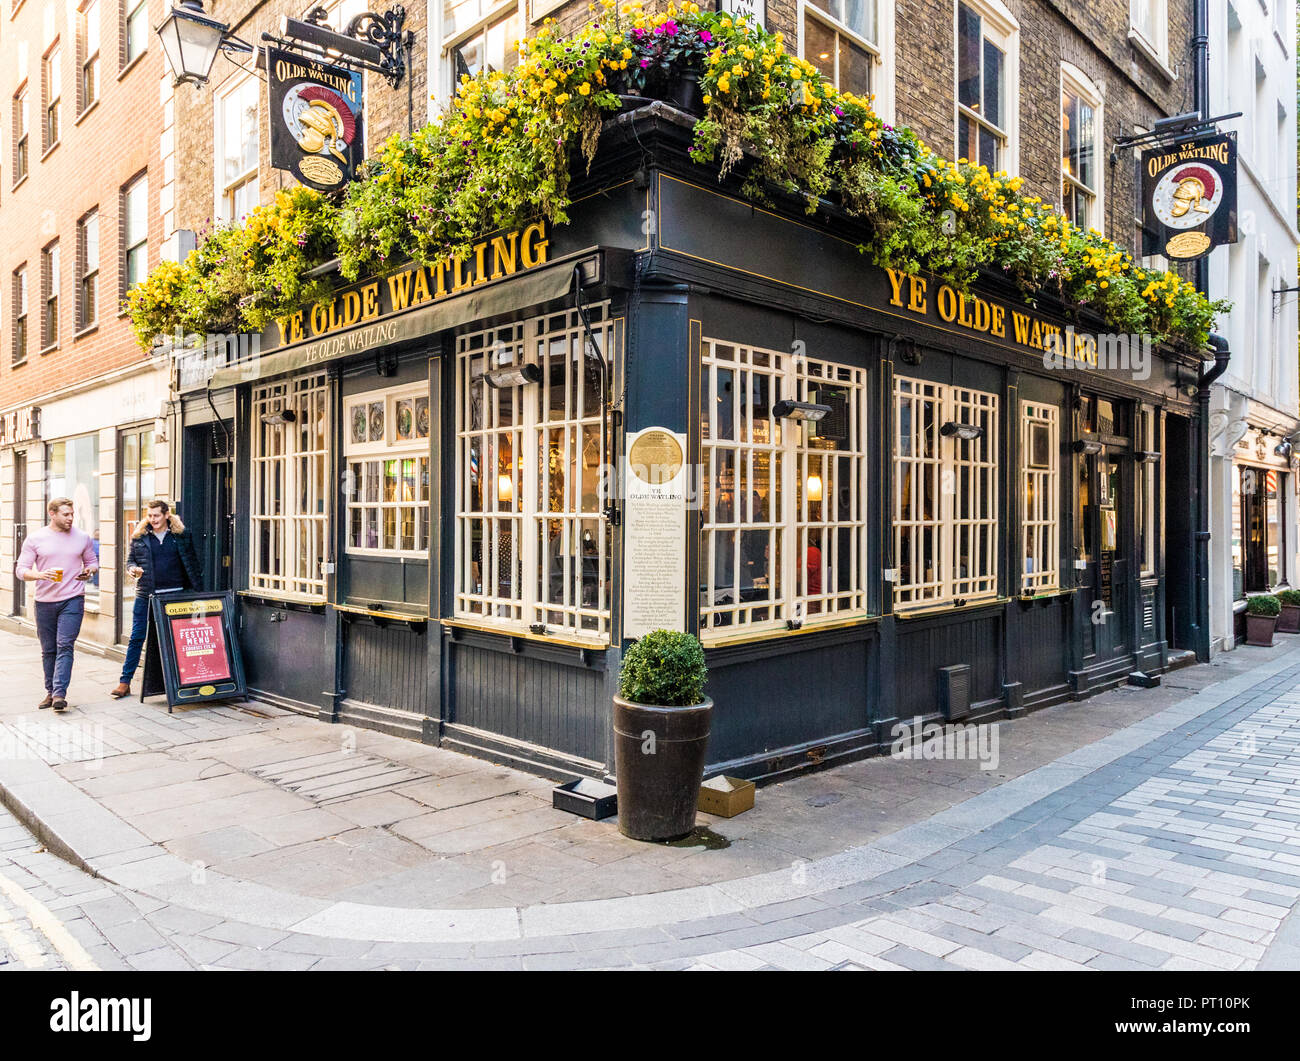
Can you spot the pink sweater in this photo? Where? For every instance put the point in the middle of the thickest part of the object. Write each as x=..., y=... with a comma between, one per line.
x=46, y=548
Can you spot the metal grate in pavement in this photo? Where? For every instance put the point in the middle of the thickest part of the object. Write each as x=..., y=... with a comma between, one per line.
x=331, y=777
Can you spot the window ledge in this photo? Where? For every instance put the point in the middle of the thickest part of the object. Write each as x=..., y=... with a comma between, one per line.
x=524, y=634
x=931, y=611
x=773, y=634
x=132, y=64
x=86, y=110
x=18, y=364
x=1144, y=46
x=49, y=349
x=89, y=329
x=49, y=150
x=21, y=181
x=273, y=599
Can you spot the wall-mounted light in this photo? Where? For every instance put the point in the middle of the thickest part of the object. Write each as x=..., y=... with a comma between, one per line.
x=965, y=432
x=512, y=375
x=1146, y=456
x=1085, y=445
x=191, y=40
x=1283, y=448
x=786, y=409
x=280, y=416
x=814, y=488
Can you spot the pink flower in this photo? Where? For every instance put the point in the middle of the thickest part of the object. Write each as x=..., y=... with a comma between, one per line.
x=705, y=36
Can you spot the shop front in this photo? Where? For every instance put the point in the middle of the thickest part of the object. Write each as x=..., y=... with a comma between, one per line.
x=900, y=499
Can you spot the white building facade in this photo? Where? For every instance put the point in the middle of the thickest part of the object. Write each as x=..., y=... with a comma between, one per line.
x=1254, y=430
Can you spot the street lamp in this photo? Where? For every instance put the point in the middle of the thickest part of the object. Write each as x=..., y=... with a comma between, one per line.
x=191, y=40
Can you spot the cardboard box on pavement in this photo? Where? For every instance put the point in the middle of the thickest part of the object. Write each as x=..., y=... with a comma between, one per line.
x=726, y=796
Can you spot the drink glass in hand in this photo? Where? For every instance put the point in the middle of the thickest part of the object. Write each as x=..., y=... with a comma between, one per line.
x=58, y=574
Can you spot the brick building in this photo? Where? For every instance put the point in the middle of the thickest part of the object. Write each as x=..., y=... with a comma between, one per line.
x=86, y=199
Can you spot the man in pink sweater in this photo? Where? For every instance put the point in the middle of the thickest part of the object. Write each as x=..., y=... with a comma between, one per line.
x=61, y=560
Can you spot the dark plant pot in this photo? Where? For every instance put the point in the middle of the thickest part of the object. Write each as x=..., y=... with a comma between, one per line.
x=659, y=778
x=1259, y=630
x=685, y=94
x=1289, y=621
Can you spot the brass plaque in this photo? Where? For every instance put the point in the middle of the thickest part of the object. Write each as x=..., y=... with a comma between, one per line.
x=656, y=457
x=1188, y=245
x=321, y=170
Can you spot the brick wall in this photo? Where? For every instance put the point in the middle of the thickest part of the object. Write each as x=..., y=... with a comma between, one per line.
x=98, y=150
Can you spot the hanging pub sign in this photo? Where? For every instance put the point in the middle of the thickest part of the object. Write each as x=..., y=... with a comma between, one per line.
x=1189, y=195
x=192, y=652
x=316, y=112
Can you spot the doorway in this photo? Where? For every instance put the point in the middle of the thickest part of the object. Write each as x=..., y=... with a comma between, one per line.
x=1180, y=544
x=209, y=499
x=1104, y=475
x=135, y=469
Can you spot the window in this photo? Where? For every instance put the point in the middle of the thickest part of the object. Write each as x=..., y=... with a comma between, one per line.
x=88, y=84
x=387, y=483
x=237, y=148
x=1081, y=131
x=87, y=270
x=20, y=134
x=843, y=39
x=72, y=470
x=1040, y=501
x=945, y=493
x=1149, y=28
x=50, y=295
x=1261, y=526
x=53, y=95
x=782, y=520
x=532, y=546
x=1149, y=441
x=20, y=315
x=135, y=448
x=135, y=35
x=135, y=232
x=987, y=84
x=290, y=486
x=479, y=35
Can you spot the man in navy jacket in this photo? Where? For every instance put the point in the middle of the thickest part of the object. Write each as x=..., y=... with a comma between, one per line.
x=162, y=558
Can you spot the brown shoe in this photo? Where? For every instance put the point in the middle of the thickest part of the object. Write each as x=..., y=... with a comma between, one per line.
x=60, y=705
x=49, y=699
x=122, y=690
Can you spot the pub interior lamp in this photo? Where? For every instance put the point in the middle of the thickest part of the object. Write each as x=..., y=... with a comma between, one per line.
x=786, y=409
x=965, y=432
x=505, y=488
x=513, y=375
x=191, y=40
x=814, y=488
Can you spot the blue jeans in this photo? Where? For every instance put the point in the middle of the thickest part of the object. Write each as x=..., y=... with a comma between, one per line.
x=139, y=628
x=57, y=625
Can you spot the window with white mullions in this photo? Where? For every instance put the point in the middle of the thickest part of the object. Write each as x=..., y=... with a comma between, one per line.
x=289, y=493
x=987, y=87
x=1149, y=19
x=946, y=494
x=531, y=541
x=782, y=512
x=386, y=489
x=479, y=35
x=1081, y=127
x=841, y=39
x=918, y=468
x=1040, y=500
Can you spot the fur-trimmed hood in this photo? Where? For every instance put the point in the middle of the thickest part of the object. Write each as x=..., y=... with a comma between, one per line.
x=174, y=525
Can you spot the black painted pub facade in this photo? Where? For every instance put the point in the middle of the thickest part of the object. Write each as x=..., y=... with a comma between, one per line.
x=406, y=489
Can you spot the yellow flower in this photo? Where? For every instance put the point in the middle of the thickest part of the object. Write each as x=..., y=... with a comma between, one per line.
x=584, y=89
x=562, y=98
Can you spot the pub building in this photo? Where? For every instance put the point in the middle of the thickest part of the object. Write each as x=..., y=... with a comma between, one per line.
x=877, y=497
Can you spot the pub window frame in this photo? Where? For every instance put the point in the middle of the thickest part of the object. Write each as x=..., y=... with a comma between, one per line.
x=388, y=448
x=51, y=279
x=89, y=41
x=880, y=50
x=787, y=524
x=228, y=188
x=289, y=488
x=135, y=244
x=1076, y=83
x=506, y=574
x=20, y=314
x=22, y=134
x=52, y=94
x=88, y=270
x=134, y=13
x=961, y=474
x=491, y=15
x=1040, y=496
x=998, y=27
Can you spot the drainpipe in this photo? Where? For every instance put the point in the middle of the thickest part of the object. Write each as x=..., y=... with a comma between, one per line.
x=1201, y=100
x=1222, y=354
